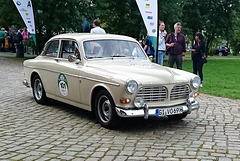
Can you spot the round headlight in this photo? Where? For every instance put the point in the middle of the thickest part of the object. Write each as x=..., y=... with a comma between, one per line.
x=195, y=82
x=138, y=102
x=132, y=86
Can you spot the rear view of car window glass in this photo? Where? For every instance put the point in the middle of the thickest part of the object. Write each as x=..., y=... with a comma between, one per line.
x=69, y=48
x=112, y=48
x=52, y=49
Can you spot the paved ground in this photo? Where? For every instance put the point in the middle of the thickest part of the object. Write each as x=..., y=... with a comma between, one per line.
x=29, y=131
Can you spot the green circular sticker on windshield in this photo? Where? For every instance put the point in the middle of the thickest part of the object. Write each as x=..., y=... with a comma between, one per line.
x=63, y=85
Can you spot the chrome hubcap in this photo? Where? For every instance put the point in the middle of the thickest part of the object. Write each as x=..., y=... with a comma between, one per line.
x=38, y=89
x=104, y=109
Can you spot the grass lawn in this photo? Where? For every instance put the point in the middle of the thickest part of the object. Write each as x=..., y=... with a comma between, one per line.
x=221, y=76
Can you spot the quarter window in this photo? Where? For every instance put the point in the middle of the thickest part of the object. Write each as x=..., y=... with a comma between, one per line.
x=52, y=49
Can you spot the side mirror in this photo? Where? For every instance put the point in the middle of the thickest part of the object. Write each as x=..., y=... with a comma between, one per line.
x=72, y=58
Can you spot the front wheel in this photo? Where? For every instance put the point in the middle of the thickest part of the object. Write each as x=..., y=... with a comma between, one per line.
x=38, y=91
x=177, y=117
x=105, y=109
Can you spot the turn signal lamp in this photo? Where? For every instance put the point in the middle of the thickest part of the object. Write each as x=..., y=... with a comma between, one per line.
x=197, y=94
x=125, y=100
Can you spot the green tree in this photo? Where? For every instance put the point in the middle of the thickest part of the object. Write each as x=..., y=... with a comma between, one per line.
x=9, y=14
x=213, y=17
x=171, y=12
x=235, y=32
x=58, y=16
x=119, y=17
x=51, y=17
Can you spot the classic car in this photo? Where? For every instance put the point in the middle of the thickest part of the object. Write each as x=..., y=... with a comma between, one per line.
x=111, y=76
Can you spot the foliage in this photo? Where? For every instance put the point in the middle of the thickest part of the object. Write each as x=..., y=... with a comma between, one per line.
x=171, y=12
x=53, y=17
x=215, y=18
x=9, y=14
x=235, y=38
x=119, y=17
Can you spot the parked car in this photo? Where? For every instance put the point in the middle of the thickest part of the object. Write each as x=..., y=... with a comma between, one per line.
x=223, y=51
x=110, y=75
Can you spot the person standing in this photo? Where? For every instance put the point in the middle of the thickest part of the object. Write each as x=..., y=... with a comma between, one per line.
x=19, y=45
x=97, y=29
x=25, y=37
x=161, y=43
x=198, y=54
x=148, y=48
x=2, y=39
x=177, y=47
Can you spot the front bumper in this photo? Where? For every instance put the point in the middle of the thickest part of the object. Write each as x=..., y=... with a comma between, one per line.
x=146, y=112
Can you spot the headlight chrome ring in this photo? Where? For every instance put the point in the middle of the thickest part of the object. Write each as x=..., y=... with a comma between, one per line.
x=195, y=82
x=139, y=102
x=131, y=86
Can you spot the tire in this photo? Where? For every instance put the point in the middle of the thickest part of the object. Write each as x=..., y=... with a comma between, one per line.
x=38, y=91
x=220, y=54
x=177, y=117
x=105, y=110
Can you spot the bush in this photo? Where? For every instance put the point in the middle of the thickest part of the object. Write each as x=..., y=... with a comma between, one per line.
x=211, y=51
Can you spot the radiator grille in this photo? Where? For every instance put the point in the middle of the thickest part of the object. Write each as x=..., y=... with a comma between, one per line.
x=179, y=92
x=153, y=94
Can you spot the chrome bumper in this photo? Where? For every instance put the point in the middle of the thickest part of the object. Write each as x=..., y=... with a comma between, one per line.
x=25, y=83
x=146, y=112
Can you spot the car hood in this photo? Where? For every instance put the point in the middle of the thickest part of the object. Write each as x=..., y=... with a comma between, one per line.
x=143, y=71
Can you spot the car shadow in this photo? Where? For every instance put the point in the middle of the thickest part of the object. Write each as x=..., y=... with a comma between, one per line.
x=124, y=124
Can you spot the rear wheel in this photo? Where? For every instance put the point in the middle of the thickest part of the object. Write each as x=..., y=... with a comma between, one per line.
x=105, y=109
x=178, y=116
x=220, y=54
x=38, y=91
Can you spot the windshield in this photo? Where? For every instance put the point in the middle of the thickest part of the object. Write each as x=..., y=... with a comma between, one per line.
x=112, y=48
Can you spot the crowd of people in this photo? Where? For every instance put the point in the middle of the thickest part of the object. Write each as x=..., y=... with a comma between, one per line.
x=174, y=45
x=12, y=38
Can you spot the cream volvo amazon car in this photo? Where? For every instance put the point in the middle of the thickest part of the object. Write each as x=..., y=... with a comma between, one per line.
x=111, y=76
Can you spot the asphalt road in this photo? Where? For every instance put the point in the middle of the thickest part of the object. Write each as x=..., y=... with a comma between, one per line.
x=29, y=131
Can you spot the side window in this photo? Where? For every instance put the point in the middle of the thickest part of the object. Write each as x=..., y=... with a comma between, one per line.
x=52, y=49
x=69, y=47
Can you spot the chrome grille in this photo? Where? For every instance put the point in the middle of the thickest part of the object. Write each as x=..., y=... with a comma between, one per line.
x=179, y=92
x=152, y=94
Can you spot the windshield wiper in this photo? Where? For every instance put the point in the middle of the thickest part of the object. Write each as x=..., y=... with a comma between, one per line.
x=91, y=57
x=118, y=56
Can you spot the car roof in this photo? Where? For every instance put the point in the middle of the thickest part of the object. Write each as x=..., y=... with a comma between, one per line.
x=89, y=36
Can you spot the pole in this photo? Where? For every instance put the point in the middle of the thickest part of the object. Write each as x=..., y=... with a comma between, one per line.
x=157, y=31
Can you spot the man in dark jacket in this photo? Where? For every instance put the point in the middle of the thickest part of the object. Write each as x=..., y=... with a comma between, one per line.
x=19, y=44
x=177, y=47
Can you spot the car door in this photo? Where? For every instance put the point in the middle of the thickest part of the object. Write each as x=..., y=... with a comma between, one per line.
x=47, y=66
x=67, y=80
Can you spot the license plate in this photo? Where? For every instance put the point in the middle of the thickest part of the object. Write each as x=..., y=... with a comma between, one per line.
x=169, y=111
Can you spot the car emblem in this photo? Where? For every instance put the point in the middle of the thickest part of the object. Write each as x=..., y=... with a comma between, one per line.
x=63, y=85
